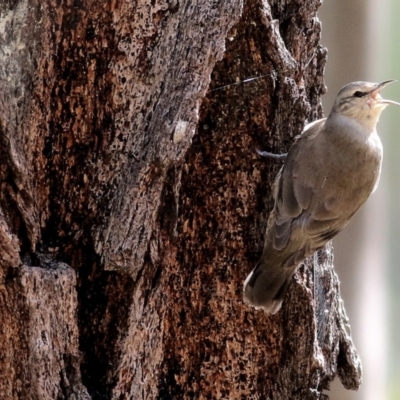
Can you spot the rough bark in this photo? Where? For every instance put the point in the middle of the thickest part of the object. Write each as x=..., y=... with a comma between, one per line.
x=133, y=204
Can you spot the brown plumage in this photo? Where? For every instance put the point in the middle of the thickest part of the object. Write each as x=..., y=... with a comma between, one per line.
x=329, y=172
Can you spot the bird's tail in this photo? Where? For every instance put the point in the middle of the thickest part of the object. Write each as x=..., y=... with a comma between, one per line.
x=266, y=286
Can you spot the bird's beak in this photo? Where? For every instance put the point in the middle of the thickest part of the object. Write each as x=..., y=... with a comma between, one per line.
x=375, y=93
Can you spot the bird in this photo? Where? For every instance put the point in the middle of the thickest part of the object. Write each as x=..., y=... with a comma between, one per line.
x=327, y=175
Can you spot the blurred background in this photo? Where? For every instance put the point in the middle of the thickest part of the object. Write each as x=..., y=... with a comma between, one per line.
x=363, y=41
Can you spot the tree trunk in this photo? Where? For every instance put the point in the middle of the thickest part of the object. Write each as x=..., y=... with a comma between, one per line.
x=133, y=203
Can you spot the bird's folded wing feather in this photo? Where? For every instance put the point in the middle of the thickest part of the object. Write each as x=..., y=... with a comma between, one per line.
x=294, y=193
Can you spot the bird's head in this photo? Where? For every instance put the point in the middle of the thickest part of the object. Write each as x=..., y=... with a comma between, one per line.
x=362, y=102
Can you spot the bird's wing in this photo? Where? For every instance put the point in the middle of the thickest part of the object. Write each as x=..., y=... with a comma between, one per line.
x=294, y=193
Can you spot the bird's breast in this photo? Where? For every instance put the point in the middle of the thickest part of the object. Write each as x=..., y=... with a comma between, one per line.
x=352, y=169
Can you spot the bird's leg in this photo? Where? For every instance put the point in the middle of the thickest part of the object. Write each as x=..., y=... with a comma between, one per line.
x=271, y=155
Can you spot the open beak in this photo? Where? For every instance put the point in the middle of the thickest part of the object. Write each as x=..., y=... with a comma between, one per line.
x=376, y=96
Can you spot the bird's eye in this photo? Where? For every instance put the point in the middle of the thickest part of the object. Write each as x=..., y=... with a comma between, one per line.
x=358, y=94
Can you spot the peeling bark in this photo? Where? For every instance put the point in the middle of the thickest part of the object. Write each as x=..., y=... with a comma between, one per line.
x=133, y=203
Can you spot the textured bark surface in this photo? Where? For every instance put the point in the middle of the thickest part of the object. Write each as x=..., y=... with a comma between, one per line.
x=133, y=204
